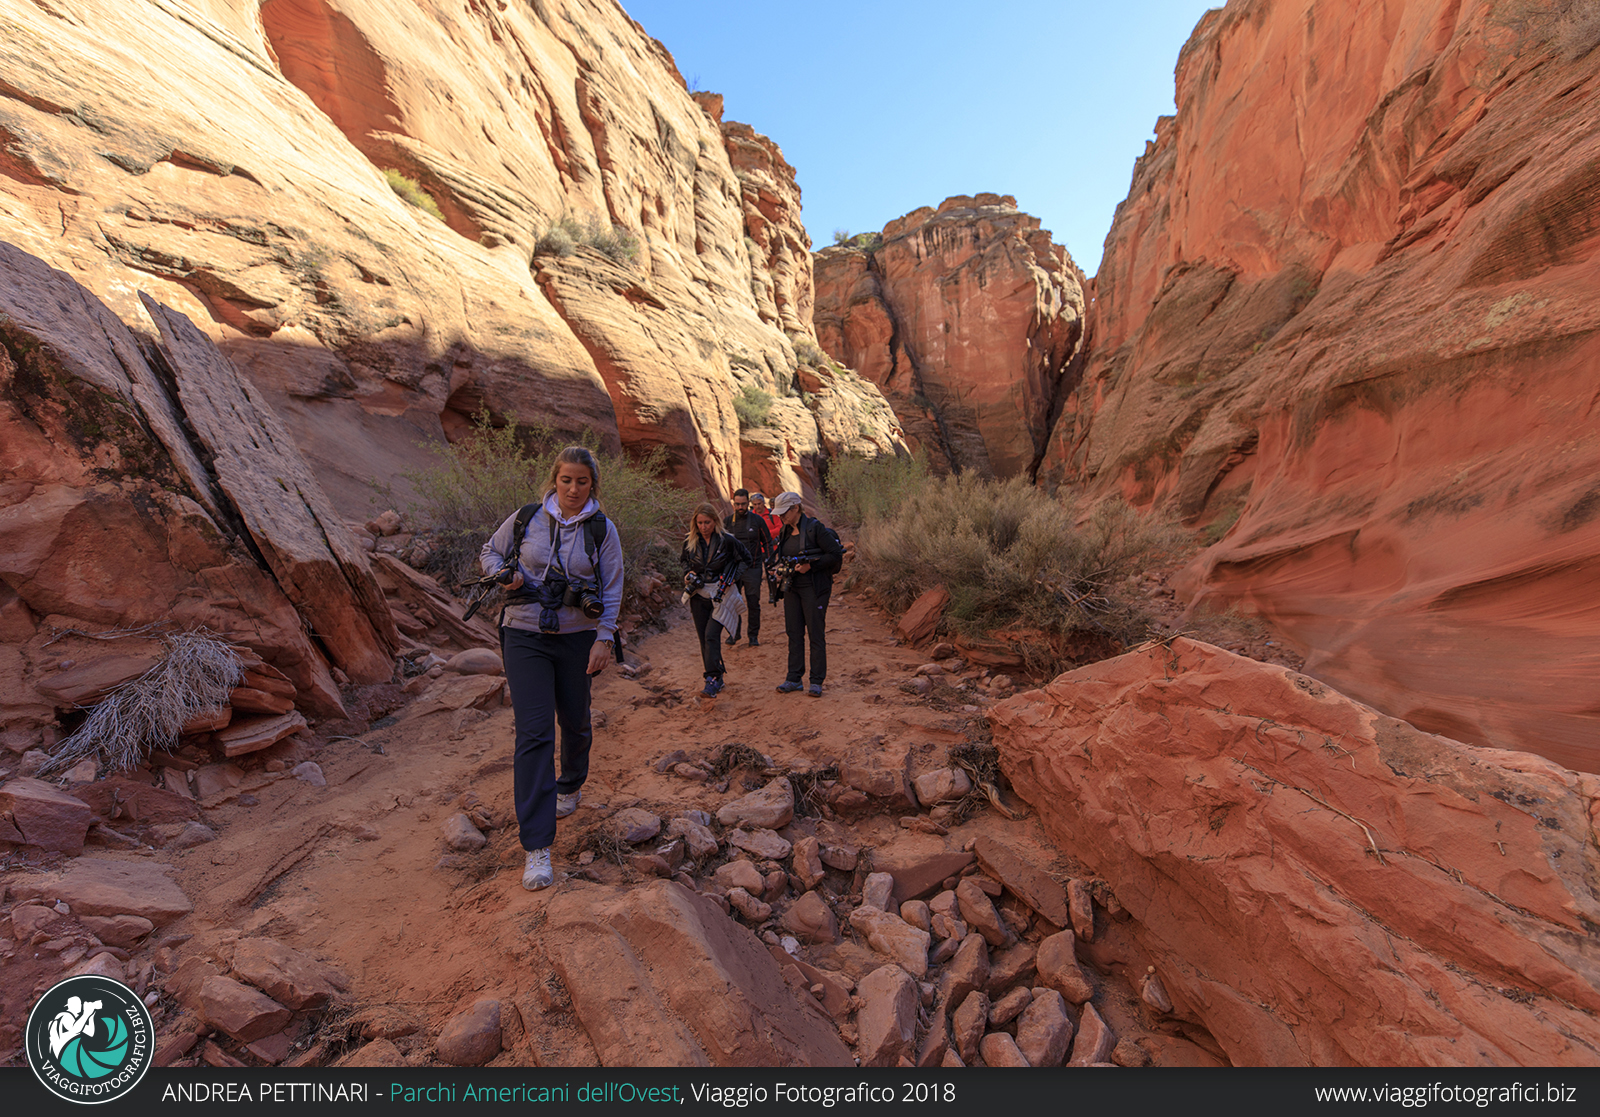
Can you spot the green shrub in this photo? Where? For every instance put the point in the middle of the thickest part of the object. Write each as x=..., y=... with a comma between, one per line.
x=861, y=489
x=1009, y=554
x=409, y=191
x=477, y=482
x=866, y=241
x=753, y=406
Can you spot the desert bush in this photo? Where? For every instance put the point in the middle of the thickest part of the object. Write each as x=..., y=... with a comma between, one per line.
x=1009, y=554
x=1577, y=29
x=1570, y=27
x=477, y=482
x=860, y=489
x=753, y=406
x=809, y=352
x=566, y=232
x=409, y=191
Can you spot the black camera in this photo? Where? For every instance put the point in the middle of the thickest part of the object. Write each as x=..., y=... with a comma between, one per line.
x=584, y=596
x=693, y=581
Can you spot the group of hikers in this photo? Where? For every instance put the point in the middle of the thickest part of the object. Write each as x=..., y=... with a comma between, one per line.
x=560, y=562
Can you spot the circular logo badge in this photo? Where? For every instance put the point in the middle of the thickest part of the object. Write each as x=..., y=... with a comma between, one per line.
x=90, y=1039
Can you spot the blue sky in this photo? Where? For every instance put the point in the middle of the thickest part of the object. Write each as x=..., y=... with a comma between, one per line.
x=883, y=105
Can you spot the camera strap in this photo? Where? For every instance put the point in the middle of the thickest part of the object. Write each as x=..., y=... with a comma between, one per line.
x=594, y=537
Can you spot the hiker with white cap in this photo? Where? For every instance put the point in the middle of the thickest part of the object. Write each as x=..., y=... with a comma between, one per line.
x=808, y=554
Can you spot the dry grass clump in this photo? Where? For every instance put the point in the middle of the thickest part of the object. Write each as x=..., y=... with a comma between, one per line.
x=809, y=796
x=735, y=756
x=1009, y=554
x=197, y=675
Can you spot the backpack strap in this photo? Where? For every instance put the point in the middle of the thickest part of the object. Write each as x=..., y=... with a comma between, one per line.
x=594, y=535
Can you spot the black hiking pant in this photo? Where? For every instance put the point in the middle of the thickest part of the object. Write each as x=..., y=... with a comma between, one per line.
x=710, y=632
x=805, y=618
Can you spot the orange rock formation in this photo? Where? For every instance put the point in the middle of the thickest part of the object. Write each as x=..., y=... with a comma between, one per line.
x=1316, y=883
x=966, y=317
x=1350, y=304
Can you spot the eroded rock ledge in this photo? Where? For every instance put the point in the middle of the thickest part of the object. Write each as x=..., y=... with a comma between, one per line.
x=1322, y=884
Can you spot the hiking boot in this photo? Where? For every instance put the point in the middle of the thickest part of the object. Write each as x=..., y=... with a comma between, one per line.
x=566, y=804
x=537, y=874
x=754, y=643
x=732, y=640
x=713, y=686
x=788, y=686
x=815, y=690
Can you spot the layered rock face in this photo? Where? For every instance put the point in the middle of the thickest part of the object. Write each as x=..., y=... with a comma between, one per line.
x=1372, y=342
x=1318, y=883
x=371, y=325
x=139, y=483
x=967, y=317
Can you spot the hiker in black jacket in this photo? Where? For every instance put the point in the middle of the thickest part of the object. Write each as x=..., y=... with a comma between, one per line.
x=751, y=530
x=713, y=561
x=805, y=600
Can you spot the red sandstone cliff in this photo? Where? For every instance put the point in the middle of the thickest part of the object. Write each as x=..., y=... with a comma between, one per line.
x=1350, y=303
x=967, y=317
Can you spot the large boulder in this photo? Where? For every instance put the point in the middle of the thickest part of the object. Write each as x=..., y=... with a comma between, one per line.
x=1319, y=883
x=659, y=976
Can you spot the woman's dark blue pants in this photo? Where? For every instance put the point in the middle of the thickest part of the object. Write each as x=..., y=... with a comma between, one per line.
x=548, y=675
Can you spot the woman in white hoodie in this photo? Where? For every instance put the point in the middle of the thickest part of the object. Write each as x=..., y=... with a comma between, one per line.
x=557, y=631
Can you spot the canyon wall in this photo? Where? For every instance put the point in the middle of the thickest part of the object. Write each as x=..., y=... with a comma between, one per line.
x=1347, y=316
x=229, y=159
x=967, y=317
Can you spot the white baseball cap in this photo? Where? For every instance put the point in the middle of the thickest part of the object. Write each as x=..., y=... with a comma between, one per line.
x=785, y=501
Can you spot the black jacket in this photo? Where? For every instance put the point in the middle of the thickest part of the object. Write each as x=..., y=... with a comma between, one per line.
x=710, y=562
x=753, y=534
x=817, y=539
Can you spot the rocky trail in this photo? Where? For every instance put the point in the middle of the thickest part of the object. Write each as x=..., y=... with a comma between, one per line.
x=773, y=889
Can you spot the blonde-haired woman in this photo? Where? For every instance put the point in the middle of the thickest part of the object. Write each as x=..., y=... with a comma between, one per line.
x=557, y=631
x=711, y=558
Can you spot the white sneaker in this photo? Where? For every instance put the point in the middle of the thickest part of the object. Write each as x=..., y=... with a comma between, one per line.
x=566, y=804
x=537, y=873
